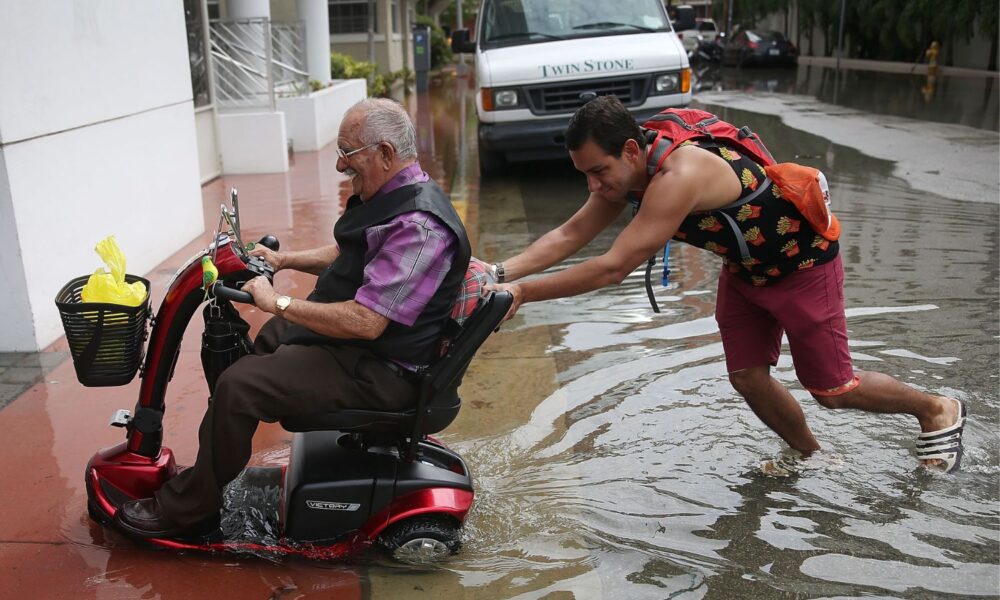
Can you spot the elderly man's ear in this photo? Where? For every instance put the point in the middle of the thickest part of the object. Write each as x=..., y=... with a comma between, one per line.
x=388, y=153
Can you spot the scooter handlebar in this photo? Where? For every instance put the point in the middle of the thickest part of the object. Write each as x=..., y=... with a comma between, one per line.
x=220, y=290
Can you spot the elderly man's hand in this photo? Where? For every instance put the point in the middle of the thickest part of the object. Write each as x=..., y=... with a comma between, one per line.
x=515, y=291
x=275, y=259
x=264, y=296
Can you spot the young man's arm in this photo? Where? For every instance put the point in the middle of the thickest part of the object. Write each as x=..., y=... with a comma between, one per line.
x=691, y=181
x=563, y=241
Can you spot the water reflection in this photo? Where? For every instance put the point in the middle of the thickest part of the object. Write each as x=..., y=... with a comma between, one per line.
x=637, y=474
x=971, y=101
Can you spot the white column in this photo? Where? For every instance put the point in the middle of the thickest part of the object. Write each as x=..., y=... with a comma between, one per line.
x=248, y=9
x=404, y=29
x=316, y=16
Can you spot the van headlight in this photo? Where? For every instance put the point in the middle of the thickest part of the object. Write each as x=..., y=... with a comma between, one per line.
x=494, y=99
x=506, y=98
x=672, y=83
x=667, y=83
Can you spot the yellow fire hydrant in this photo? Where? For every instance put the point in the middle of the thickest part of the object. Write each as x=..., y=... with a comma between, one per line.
x=932, y=59
x=932, y=70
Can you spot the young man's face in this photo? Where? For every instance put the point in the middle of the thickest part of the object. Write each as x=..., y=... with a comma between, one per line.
x=607, y=176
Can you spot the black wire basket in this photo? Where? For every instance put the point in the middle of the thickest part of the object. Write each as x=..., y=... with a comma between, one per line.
x=107, y=341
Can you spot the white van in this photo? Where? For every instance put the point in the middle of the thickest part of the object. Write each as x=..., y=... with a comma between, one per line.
x=537, y=61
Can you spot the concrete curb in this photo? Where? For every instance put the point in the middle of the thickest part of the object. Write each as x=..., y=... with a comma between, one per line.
x=893, y=67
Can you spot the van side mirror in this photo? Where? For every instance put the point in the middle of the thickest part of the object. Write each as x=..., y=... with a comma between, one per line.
x=460, y=42
x=685, y=18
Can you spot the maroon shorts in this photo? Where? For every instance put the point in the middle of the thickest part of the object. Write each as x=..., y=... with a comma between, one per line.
x=808, y=307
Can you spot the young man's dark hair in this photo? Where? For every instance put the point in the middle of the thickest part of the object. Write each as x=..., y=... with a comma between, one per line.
x=606, y=121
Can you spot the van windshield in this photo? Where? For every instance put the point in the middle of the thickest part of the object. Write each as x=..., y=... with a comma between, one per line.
x=515, y=22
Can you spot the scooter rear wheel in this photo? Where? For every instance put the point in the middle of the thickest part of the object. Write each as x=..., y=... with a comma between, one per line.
x=422, y=539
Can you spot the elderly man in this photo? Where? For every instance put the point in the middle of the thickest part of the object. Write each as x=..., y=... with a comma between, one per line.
x=383, y=296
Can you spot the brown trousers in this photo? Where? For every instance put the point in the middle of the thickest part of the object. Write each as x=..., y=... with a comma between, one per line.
x=275, y=382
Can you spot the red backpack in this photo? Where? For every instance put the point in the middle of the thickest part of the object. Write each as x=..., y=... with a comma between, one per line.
x=803, y=186
x=674, y=126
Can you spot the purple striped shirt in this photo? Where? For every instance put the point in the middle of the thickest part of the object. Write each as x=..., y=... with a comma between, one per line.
x=407, y=258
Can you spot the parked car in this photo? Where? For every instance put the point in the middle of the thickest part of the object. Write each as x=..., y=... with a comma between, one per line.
x=704, y=31
x=756, y=47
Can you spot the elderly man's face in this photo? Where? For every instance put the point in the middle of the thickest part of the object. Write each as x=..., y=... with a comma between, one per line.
x=365, y=164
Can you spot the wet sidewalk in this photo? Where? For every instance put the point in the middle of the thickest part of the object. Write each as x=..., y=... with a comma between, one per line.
x=21, y=370
x=49, y=547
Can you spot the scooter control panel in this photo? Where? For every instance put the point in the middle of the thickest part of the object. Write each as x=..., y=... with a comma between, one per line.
x=259, y=266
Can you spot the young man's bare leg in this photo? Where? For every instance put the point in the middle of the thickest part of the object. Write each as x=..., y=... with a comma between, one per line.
x=881, y=393
x=775, y=406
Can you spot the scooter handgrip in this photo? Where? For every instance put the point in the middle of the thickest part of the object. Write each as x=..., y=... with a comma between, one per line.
x=269, y=241
x=222, y=291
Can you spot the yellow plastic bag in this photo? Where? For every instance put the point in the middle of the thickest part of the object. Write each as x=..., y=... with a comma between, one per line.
x=111, y=287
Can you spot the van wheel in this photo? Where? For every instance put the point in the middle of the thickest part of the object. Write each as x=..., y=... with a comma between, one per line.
x=490, y=162
x=422, y=539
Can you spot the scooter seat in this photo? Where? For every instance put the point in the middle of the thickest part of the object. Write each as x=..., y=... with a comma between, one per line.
x=438, y=404
x=375, y=421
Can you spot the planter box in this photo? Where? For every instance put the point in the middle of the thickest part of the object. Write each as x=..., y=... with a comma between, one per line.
x=253, y=143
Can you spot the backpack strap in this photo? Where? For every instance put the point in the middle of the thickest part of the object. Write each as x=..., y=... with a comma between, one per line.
x=699, y=126
x=752, y=195
x=659, y=147
x=740, y=240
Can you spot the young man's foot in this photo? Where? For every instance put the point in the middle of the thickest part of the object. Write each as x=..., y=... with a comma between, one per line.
x=939, y=445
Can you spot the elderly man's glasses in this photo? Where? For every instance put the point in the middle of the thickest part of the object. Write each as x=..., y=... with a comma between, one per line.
x=345, y=154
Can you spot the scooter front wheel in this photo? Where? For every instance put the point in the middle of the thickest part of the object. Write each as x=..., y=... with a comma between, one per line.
x=422, y=539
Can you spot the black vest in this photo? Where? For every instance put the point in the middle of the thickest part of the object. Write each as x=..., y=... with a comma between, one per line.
x=340, y=281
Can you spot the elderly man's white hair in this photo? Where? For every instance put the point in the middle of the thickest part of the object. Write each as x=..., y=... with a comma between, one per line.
x=386, y=121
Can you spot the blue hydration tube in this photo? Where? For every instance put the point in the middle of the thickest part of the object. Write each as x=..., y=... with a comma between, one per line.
x=666, y=264
x=665, y=277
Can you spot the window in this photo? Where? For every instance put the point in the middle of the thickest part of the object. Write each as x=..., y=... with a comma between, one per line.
x=350, y=16
x=395, y=16
x=515, y=22
x=213, y=9
x=197, y=55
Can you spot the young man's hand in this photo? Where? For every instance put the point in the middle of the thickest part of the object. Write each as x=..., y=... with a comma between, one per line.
x=515, y=291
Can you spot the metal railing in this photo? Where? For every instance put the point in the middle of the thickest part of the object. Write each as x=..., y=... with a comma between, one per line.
x=257, y=60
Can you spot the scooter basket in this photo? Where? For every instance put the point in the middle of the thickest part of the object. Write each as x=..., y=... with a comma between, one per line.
x=107, y=341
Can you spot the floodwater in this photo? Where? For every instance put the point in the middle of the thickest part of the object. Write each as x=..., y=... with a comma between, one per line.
x=611, y=457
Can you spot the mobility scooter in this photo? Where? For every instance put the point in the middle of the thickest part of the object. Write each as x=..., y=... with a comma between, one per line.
x=354, y=479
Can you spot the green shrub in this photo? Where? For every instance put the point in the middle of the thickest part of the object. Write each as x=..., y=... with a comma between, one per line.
x=343, y=66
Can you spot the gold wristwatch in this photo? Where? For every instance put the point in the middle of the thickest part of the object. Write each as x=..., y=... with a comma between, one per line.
x=282, y=303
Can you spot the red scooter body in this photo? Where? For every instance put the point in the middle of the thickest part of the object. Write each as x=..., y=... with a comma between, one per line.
x=438, y=485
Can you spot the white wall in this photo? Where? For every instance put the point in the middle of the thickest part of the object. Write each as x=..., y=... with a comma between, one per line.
x=209, y=161
x=97, y=137
x=13, y=288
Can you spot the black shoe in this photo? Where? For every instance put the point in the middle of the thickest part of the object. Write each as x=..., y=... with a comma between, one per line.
x=145, y=519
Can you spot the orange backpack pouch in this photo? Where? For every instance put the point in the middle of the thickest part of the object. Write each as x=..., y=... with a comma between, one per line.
x=806, y=188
